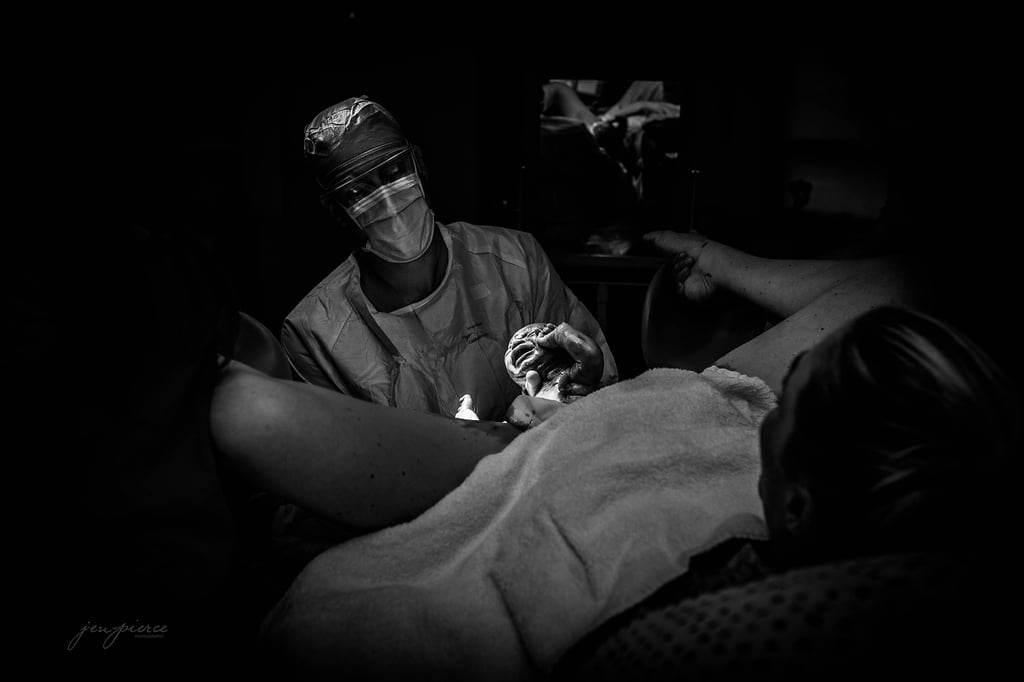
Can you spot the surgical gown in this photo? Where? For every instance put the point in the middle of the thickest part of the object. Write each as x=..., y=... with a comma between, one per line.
x=426, y=355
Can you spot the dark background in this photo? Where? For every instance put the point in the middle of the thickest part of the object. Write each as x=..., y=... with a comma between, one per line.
x=905, y=138
x=908, y=136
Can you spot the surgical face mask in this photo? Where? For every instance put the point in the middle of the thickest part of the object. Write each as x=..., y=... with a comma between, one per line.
x=399, y=226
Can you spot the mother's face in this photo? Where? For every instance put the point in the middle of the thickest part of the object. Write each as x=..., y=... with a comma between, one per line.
x=774, y=486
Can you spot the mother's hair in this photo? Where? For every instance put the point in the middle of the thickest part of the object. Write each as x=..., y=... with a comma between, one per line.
x=903, y=434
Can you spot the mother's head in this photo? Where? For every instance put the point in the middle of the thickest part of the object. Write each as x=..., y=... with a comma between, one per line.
x=892, y=434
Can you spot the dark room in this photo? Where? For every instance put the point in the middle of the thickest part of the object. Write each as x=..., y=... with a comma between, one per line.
x=517, y=351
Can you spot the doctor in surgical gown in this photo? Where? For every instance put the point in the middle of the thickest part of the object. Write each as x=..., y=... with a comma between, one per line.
x=422, y=314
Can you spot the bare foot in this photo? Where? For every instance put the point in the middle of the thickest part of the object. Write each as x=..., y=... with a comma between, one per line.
x=691, y=262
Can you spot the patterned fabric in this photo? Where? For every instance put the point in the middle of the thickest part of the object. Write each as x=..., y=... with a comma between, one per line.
x=886, y=614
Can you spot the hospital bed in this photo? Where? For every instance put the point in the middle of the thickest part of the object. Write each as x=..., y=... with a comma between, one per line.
x=900, y=613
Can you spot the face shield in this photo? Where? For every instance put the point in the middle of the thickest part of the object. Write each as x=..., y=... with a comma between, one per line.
x=365, y=166
x=385, y=198
x=363, y=186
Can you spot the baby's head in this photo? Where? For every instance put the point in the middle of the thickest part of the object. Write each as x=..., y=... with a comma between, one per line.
x=523, y=355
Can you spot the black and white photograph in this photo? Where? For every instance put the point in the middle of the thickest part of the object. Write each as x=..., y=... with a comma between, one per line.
x=528, y=349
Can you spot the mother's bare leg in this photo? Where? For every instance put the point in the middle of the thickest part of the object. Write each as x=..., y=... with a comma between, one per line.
x=363, y=465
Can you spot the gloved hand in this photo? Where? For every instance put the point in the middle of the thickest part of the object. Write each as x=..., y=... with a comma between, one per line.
x=584, y=375
x=466, y=409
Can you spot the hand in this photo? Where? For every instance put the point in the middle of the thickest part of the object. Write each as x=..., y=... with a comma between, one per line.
x=526, y=412
x=466, y=410
x=689, y=262
x=584, y=375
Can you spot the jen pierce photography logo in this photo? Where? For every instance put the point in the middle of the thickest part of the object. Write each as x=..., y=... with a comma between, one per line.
x=112, y=633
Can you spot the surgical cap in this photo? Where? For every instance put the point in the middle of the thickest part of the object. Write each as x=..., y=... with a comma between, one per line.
x=348, y=136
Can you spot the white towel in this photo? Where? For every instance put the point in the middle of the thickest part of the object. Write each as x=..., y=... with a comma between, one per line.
x=573, y=522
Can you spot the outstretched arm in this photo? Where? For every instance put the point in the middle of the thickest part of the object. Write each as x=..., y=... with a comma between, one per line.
x=561, y=100
x=361, y=464
x=811, y=297
x=779, y=286
x=651, y=109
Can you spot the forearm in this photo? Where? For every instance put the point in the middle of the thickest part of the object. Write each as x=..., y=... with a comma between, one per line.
x=561, y=100
x=810, y=298
x=875, y=283
x=779, y=286
x=362, y=464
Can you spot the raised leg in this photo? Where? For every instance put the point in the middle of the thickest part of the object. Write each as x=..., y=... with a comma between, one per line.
x=363, y=465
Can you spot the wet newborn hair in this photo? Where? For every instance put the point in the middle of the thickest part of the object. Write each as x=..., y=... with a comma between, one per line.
x=524, y=354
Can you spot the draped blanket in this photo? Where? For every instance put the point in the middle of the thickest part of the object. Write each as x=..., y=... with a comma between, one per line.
x=573, y=522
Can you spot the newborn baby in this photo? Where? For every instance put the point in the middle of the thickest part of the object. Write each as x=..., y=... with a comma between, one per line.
x=524, y=357
x=562, y=373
